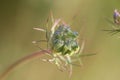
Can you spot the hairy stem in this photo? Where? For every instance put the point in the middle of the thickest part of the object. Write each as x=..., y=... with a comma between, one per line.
x=22, y=60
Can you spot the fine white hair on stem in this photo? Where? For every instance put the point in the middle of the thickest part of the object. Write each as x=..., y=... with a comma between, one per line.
x=70, y=72
x=82, y=47
x=51, y=14
x=54, y=25
x=39, y=29
x=70, y=65
x=81, y=50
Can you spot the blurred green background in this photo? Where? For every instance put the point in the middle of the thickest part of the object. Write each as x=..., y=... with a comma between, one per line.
x=18, y=17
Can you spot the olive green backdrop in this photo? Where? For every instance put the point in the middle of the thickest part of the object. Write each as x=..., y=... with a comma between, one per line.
x=18, y=17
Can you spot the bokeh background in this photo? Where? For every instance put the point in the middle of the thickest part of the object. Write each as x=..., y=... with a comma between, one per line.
x=18, y=17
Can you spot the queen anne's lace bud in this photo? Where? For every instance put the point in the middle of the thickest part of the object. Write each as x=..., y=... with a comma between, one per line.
x=64, y=40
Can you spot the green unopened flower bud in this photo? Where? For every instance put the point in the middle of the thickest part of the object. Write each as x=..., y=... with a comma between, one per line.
x=64, y=40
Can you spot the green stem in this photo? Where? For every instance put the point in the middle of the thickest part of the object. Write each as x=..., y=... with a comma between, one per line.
x=22, y=60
